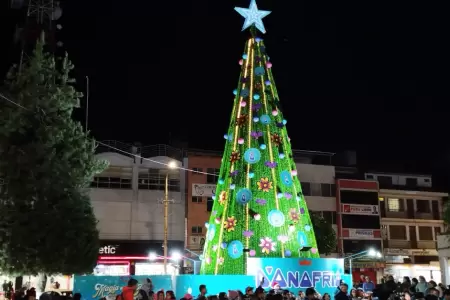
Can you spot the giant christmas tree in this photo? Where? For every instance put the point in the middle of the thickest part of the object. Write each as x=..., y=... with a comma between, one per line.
x=259, y=209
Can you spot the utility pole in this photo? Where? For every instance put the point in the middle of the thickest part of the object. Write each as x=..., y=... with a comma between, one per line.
x=166, y=221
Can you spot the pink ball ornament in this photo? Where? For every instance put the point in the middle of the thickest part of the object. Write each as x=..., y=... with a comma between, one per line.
x=294, y=172
x=208, y=260
x=241, y=62
x=243, y=103
x=217, y=220
x=240, y=141
x=314, y=250
x=269, y=65
x=274, y=112
x=252, y=253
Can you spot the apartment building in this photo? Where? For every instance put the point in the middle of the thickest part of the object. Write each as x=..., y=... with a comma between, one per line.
x=128, y=202
x=411, y=220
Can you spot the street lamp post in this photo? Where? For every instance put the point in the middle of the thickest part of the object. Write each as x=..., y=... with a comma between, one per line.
x=171, y=165
x=370, y=252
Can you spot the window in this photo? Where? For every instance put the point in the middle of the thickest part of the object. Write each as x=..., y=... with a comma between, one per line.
x=153, y=179
x=197, y=170
x=197, y=199
x=361, y=221
x=209, y=204
x=359, y=197
x=196, y=230
x=111, y=183
x=380, y=199
x=333, y=190
x=316, y=189
x=384, y=180
x=411, y=182
x=306, y=188
x=427, y=180
x=326, y=189
x=397, y=232
x=423, y=206
x=369, y=176
x=212, y=176
x=395, y=205
x=425, y=233
x=437, y=231
x=330, y=216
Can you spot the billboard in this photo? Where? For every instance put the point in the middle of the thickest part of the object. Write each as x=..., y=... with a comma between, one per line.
x=295, y=274
x=360, y=209
x=203, y=190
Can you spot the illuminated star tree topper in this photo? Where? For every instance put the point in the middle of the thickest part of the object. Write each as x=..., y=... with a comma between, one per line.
x=253, y=16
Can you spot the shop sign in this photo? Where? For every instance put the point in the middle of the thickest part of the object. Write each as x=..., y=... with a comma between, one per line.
x=111, y=250
x=361, y=234
x=203, y=190
x=359, y=209
x=366, y=264
x=410, y=252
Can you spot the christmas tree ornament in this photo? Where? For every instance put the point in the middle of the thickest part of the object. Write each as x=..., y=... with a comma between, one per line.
x=253, y=16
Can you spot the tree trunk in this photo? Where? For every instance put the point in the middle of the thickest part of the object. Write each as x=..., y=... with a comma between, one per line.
x=42, y=282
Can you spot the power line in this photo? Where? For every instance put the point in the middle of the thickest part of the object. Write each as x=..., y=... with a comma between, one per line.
x=13, y=102
x=126, y=152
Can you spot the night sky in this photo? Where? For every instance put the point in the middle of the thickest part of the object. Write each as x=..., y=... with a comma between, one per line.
x=371, y=76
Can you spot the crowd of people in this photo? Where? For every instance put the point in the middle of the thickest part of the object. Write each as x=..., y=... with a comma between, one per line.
x=365, y=289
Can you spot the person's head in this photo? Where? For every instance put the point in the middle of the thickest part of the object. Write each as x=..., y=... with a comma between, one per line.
x=301, y=294
x=132, y=283
x=419, y=295
x=414, y=281
x=148, y=280
x=353, y=293
x=202, y=289
x=407, y=295
x=343, y=287
x=77, y=296
x=249, y=290
x=362, y=276
x=421, y=279
x=222, y=296
x=367, y=279
x=160, y=295
x=433, y=291
x=326, y=296
x=390, y=277
x=170, y=295
x=447, y=294
x=310, y=293
x=432, y=284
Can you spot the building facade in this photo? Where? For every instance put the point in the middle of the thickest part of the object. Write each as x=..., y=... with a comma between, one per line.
x=358, y=222
x=128, y=202
x=411, y=221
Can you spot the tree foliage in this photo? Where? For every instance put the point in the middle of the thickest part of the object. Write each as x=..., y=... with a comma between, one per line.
x=325, y=235
x=47, y=224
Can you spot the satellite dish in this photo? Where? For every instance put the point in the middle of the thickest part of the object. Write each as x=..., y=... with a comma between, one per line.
x=17, y=4
x=57, y=12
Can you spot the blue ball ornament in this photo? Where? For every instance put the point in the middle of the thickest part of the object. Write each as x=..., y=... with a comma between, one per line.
x=263, y=146
x=258, y=39
x=287, y=253
x=251, y=175
x=298, y=198
x=244, y=56
x=245, y=92
x=276, y=218
x=286, y=178
x=280, y=195
x=255, y=119
x=281, y=155
x=284, y=122
x=221, y=181
x=264, y=119
x=232, y=186
x=223, y=245
x=235, y=92
x=256, y=96
x=307, y=228
x=211, y=232
x=252, y=155
x=244, y=196
x=235, y=249
x=259, y=71
x=268, y=82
